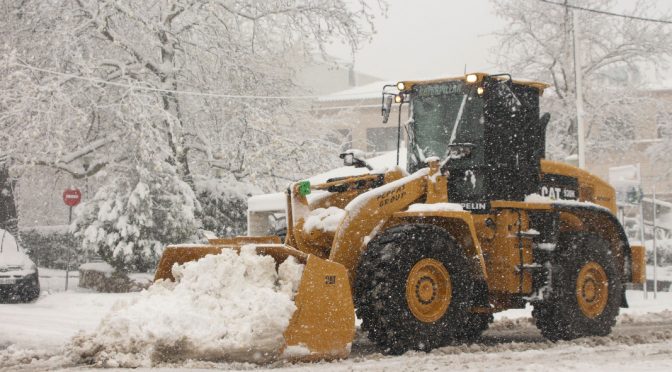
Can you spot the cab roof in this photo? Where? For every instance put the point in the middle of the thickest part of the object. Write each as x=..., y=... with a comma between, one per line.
x=479, y=78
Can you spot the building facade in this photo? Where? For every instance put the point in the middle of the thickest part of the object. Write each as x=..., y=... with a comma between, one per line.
x=356, y=114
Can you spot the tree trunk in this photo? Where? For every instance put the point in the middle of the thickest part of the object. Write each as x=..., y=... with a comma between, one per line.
x=8, y=215
x=175, y=133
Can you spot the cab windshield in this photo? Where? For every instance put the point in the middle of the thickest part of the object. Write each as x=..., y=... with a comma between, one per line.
x=442, y=115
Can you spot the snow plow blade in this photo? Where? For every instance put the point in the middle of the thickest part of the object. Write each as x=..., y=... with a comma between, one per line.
x=323, y=325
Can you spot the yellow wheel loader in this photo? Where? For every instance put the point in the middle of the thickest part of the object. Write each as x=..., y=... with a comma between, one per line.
x=478, y=222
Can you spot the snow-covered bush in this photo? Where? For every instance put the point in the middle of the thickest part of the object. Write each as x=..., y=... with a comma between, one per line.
x=224, y=205
x=50, y=246
x=130, y=220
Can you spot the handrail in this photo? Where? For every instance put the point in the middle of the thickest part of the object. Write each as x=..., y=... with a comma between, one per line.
x=327, y=185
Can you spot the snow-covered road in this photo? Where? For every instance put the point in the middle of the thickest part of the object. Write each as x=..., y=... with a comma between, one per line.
x=32, y=337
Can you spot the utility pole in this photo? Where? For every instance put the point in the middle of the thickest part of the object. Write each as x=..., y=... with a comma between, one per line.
x=655, y=248
x=579, y=90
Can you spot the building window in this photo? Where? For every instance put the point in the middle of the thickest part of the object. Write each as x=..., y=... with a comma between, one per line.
x=663, y=124
x=381, y=139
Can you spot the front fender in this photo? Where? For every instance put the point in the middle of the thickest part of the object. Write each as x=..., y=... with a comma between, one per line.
x=368, y=212
x=459, y=224
x=602, y=222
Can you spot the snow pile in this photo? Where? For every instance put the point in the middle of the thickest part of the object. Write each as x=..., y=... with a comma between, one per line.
x=12, y=355
x=435, y=207
x=102, y=267
x=267, y=202
x=395, y=186
x=536, y=198
x=325, y=219
x=222, y=307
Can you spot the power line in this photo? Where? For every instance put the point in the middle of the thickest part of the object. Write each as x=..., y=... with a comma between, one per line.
x=604, y=12
x=152, y=89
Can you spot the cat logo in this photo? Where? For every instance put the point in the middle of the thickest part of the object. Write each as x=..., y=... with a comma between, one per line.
x=330, y=279
x=557, y=193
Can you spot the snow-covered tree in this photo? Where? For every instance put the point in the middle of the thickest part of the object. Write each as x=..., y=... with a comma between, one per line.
x=130, y=220
x=537, y=44
x=87, y=85
x=662, y=150
x=235, y=48
x=224, y=204
x=8, y=215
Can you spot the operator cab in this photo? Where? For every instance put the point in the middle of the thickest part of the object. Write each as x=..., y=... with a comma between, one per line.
x=485, y=129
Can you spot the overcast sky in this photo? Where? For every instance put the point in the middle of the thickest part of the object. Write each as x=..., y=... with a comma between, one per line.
x=428, y=38
x=434, y=38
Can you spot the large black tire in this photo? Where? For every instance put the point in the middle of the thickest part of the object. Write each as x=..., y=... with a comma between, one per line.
x=31, y=290
x=475, y=325
x=572, y=311
x=381, y=290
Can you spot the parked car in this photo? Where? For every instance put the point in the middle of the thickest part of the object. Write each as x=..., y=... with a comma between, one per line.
x=19, y=280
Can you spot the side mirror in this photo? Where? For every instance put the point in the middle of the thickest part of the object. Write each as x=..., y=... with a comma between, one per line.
x=348, y=159
x=387, y=106
x=353, y=158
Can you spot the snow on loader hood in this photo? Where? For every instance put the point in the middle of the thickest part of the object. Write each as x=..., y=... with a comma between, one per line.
x=226, y=307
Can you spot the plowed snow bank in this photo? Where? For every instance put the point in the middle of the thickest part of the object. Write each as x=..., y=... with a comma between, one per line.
x=221, y=307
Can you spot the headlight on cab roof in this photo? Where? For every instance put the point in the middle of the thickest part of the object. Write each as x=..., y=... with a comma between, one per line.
x=401, y=86
x=472, y=78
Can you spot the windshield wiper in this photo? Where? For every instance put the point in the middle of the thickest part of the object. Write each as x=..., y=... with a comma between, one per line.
x=457, y=120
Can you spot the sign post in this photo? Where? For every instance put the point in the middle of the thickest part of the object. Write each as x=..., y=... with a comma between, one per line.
x=71, y=197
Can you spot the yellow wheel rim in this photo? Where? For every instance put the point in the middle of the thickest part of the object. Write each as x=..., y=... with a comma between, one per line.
x=592, y=289
x=428, y=290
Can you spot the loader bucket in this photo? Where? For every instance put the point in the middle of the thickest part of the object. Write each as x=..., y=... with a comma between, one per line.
x=323, y=325
x=179, y=254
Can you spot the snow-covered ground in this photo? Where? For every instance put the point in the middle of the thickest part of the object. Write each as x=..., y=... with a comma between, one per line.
x=54, y=280
x=32, y=337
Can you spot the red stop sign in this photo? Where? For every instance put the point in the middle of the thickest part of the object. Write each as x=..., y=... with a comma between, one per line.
x=72, y=197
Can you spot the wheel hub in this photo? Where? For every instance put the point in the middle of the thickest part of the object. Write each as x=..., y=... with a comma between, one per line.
x=428, y=290
x=425, y=290
x=592, y=289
